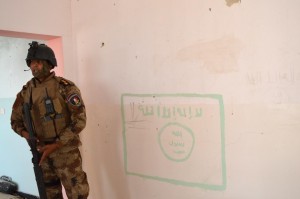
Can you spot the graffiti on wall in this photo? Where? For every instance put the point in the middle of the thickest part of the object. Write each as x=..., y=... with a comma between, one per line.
x=175, y=138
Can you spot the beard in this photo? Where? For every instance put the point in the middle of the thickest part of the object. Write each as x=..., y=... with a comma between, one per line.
x=43, y=73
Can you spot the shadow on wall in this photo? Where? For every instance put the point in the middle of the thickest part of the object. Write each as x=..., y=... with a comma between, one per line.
x=102, y=143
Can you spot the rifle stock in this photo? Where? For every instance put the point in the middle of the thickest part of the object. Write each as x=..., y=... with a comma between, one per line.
x=35, y=154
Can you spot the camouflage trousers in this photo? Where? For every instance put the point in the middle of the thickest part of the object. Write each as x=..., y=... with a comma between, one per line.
x=65, y=168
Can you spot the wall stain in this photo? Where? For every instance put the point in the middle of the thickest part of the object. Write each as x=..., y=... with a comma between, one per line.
x=217, y=56
x=231, y=2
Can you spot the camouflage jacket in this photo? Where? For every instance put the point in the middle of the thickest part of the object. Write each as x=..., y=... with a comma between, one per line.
x=67, y=118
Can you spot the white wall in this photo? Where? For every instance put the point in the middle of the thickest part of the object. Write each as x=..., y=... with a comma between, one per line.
x=247, y=52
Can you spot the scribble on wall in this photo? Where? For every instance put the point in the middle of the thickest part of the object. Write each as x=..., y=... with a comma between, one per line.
x=175, y=138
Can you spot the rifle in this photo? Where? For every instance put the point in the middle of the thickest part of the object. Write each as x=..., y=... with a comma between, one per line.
x=35, y=154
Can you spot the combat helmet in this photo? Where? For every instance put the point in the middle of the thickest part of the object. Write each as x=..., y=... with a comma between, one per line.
x=40, y=52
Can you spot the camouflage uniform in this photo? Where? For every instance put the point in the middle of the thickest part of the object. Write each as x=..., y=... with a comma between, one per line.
x=63, y=166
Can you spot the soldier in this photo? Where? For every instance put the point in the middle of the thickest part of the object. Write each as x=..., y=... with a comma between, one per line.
x=58, y=115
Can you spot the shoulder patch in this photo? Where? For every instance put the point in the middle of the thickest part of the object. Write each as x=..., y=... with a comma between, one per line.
x=74, y=99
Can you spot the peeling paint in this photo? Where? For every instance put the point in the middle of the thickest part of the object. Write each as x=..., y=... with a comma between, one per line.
x=231, y=2
x=217, y=56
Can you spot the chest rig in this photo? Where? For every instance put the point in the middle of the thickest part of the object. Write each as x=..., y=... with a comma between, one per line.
x=49, y=111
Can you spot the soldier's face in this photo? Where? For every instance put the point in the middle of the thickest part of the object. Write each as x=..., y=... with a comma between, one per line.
x=39, y=69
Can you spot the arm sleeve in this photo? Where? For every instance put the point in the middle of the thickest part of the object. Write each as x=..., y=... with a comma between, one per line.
x=76, y=108
x=16, y=119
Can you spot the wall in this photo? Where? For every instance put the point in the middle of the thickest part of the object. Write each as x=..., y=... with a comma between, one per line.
x=145, y=66
x=236, y=61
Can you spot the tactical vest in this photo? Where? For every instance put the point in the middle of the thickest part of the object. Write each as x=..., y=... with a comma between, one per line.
x=49, y=111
